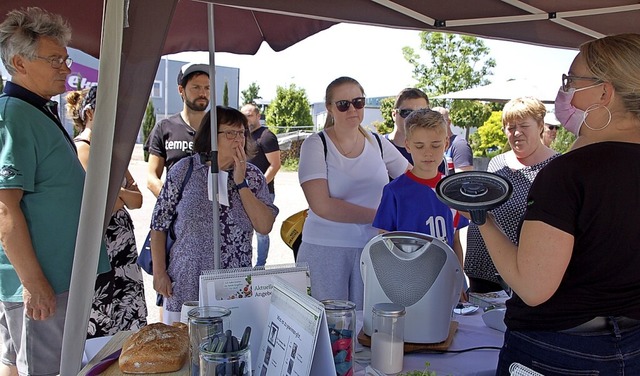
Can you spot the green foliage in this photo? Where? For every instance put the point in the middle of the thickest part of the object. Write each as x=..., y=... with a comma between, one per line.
x=425, y=372
x=380, y=127
x=495, y=106
x=455, y=62
x=250, y=94
x=469, y=114
x=289, y=109
x=225, y=94
x=386, y=107
x=1, y=83
x=564, y=140
x=489, y=136
x=147, y=125
x=290, y=164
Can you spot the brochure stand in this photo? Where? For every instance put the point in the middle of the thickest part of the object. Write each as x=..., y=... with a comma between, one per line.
x=247, y=293
x=296, y=339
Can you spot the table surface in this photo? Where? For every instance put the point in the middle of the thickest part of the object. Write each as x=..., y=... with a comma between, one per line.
x=471, y=333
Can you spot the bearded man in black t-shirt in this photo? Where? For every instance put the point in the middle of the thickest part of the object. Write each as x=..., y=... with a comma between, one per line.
x=172, y=138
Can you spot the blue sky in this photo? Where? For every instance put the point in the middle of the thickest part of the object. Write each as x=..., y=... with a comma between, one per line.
x=373, y=56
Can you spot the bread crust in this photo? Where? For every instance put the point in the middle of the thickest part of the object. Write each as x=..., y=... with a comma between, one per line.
x=156, y=348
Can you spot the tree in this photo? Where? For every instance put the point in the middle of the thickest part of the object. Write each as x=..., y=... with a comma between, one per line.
x=469, y=114
x=290, y=110
x=225, y=94
x=490, y=138
x=250, y=94
x=456, y=62
x=386, y=106
x=1, y=83
x=564, y=140
x=147, y=125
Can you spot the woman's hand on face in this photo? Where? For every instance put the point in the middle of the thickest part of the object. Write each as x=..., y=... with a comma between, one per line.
x=240, y=164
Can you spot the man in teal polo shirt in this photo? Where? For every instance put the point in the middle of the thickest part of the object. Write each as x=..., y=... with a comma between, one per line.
x=41, y=183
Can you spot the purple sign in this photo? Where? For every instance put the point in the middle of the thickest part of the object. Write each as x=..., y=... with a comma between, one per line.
x=82, y=77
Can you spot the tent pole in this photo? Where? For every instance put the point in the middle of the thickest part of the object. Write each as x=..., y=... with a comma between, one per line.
x=94, y=197
x=214, y=140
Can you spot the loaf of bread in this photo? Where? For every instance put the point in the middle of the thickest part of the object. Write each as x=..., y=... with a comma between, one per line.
x=156, y=348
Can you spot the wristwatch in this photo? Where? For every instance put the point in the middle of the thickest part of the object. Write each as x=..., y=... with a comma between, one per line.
x=242, y=185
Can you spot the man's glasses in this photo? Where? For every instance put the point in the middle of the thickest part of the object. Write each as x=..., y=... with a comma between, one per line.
x=404, y=112
x=357, y=103
x=568, y=80
x=553, y=127
x=56, y=62
x=231, y=135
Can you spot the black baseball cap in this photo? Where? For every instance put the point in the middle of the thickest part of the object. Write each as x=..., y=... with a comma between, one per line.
x=188, y=69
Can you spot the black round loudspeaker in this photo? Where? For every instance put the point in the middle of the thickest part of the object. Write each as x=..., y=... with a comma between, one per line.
x=475, y=192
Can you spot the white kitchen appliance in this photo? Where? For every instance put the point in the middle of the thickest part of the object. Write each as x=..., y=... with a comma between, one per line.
x=420, y=273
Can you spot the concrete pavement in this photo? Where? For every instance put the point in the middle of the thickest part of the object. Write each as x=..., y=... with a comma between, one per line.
x=289, y=199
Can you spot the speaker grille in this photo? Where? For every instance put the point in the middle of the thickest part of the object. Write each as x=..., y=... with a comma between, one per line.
x=406, y=281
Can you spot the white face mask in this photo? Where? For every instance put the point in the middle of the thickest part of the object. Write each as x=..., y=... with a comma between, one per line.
x=570, y=116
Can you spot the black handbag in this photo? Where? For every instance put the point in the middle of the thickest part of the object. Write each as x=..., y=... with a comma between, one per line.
x=144, y=258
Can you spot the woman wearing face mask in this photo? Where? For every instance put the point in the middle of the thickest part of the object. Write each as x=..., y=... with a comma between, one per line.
x=575, y=270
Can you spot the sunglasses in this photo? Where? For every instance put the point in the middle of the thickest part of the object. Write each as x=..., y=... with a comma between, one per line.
x=404, y=112
x=357, y=103
x=553, y=127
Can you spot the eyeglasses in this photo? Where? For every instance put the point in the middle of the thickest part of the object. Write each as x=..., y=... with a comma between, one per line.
x=405, y=112
x=357, y=103
x=56, y=62
x=553, y=127
x=567, y=81
x=231, y=135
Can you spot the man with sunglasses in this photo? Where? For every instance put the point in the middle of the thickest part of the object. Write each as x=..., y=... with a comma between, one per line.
x=41, y=184
x=407, y=101
x=551, y=126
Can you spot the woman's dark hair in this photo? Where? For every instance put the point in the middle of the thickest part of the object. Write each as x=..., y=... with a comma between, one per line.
x=224, y=115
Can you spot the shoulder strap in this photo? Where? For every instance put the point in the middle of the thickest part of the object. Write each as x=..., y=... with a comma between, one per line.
x=377, y=136
x=324, y=143
x=187, y=176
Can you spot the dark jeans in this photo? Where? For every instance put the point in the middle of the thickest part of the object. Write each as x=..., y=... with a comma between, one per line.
x=614, y=350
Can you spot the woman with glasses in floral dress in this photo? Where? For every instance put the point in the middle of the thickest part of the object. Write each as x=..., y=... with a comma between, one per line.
x=342, y=175
x=249, y=208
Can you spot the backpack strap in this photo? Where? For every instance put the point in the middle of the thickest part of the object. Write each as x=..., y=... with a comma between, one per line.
x=377, y=136
x=324, y=143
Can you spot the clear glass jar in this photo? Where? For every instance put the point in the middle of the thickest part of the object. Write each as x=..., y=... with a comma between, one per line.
x=341, y=319
x=387, y=340
x=205, y=322
x=235, y=363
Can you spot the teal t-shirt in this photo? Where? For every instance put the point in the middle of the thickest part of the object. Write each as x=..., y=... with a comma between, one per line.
x=37, y=158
